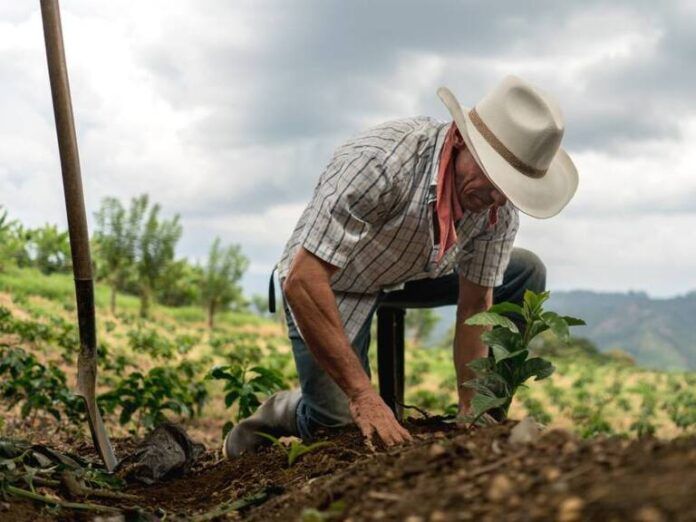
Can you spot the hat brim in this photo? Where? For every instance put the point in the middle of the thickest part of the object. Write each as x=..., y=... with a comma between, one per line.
x=542, y=197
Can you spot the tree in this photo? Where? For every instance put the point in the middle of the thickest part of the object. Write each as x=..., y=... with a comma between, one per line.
x=135, y=248
x=50, y=249
x=420, y=323
x=116, y=236
x=259, y=305
x=155, y=250
x=180, y=284
x=13, y=242
x=221, y=278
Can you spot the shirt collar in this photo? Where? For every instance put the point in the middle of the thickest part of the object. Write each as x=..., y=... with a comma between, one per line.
x=439, y=141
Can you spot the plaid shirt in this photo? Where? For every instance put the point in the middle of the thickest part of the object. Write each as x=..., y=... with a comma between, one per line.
x=371, y=216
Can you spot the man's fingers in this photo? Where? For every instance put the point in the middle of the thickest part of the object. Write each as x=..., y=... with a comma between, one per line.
x=394, y=434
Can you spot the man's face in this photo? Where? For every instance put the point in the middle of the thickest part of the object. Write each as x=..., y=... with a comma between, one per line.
x=475, y=191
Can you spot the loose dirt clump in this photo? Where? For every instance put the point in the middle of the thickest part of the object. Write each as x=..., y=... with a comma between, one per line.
x=448, y=473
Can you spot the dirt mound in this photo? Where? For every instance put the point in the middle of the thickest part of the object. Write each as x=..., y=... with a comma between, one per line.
x=447, y=474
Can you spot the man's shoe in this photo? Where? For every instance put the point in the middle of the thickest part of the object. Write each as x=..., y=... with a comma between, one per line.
x=277, y=416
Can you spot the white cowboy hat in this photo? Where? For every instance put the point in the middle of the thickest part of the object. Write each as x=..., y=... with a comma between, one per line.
x=515, y=134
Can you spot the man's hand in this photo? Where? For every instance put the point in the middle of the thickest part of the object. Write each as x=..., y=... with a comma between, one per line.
x=373, y=416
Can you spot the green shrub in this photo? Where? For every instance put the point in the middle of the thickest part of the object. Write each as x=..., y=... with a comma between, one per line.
x=150, y=395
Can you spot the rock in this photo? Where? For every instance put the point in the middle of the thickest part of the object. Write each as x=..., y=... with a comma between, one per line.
x=438, y=516
x=559, y=487
x=550, y=473
x=649, y=514
x=570, y=447
x=167, y=451
x=525, y=432
x=570, y=510
x=436, y=450
x=414, y=518
x=499, y=489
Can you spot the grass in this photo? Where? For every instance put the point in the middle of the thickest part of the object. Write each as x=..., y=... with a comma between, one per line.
x=24, y=282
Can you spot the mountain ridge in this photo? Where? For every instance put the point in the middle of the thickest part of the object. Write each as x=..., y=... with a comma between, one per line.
x=656, y=332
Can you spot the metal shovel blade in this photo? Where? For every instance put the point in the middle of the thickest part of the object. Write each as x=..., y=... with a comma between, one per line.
x=86, y=384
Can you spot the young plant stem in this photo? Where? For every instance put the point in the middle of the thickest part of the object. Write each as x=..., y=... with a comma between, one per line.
x=424, y=413
x=23, y=493
x=228, y=507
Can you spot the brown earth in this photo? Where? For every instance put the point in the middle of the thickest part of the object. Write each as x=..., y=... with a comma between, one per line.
x=448, y=473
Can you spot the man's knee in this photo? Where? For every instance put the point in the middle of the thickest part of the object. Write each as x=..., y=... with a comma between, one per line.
x=531, y=269
x=328, y=410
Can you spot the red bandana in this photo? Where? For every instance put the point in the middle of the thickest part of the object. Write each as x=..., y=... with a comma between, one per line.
x=448, y=207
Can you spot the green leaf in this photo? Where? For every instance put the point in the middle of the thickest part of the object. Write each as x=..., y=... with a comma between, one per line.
x=557, y=324
x=506, y=308
x=226, y=428
x=481, y=365
x=220, y=372
x=483, y=403
x=573, y=321
x=478, y=385
x=502, y=337
x=534, y=367
x=274, y=440
x=230, y=398
x=514, y=355
x=297, y=449
x=491, y=319
x=127, y=411
x=499, y=353
x=535, y=328
x=533, y=302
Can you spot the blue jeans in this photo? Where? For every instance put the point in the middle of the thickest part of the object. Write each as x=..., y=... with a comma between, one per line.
x=323, y=403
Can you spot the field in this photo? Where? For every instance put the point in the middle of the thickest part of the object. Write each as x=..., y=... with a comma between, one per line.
x=614, y=424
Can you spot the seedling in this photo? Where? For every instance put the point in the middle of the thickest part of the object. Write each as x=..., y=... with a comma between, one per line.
x=296, y=448
x=508, y=364
x=246, y=389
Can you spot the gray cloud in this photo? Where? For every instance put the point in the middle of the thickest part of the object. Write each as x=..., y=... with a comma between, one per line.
x=224, y=111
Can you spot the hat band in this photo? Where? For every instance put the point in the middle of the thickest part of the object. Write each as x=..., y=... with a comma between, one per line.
x=501, y=149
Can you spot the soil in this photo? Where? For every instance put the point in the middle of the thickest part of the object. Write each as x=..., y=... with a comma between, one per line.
x=448, y=473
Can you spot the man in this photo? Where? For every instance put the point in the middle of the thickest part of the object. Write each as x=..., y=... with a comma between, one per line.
x=414, y=213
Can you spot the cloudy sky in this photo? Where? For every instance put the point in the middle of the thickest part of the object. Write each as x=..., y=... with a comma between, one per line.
x=226, y=113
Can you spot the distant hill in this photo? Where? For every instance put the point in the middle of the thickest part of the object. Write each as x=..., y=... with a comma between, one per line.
x=658, y=333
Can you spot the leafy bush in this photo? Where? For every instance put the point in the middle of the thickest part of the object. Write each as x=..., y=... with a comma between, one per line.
x=147, y=340
x=151, y=394
x=508, y=364
x=38, y=388
x=591, y=420
x=682, y=408
x=31, y=331
x=239, y=348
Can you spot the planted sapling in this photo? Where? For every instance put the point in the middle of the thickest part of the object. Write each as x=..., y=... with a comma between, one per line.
x=296, y=448
x=245, y=388
x=508, y=365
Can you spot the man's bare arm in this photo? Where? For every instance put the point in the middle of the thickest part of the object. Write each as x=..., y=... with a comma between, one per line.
x=308, y=291
x=468, y=346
